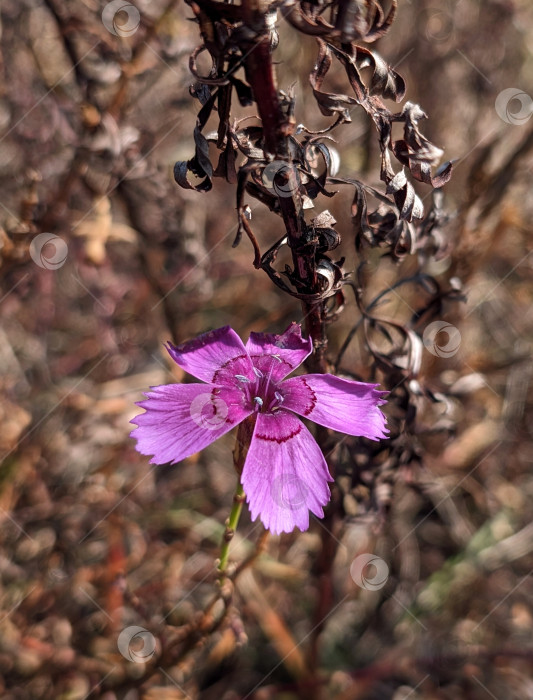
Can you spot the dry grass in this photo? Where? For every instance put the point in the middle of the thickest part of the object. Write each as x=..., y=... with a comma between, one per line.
x=94, y=539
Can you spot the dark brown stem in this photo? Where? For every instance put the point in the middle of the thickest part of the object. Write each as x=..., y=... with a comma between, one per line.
x=261, y=76
x=306, y=278
x=277, y=128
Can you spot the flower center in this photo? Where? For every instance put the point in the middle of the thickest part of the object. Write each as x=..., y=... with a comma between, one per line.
x=261, y=393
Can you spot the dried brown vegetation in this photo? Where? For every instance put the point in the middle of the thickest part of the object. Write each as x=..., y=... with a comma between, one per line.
x=94, y=539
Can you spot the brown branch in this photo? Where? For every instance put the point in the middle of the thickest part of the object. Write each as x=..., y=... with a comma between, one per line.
x=261, y=76
x=195, y=634
x=130, y=68
x=260, y=73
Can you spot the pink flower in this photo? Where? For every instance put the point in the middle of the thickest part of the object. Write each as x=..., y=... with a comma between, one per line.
x=285, y=474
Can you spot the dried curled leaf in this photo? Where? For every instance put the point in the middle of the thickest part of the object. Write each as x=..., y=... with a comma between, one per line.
x=200, y=165
x=382, y=227
x=417, y=152
x=414, y=151
x=360, y=20
x=408, y=203
x=385, y=81
x=329, y=103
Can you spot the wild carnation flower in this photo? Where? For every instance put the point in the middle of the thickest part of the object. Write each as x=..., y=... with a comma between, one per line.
x=285, y=474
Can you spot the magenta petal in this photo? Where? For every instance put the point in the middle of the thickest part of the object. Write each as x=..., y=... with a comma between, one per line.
x=181, y=419
x=215, y=357
x=278, y=355
x=285, y=474
x=340, y=404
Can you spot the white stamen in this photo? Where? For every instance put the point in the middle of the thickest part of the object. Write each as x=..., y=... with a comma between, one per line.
x=242, y=378
x=258, y=373
x=278, y=358
x=258, y=400
x=279, y=397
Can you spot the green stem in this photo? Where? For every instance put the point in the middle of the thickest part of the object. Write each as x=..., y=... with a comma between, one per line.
x=242, y=443
x=231, y=526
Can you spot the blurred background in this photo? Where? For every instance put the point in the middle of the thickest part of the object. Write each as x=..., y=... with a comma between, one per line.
x=104, y=258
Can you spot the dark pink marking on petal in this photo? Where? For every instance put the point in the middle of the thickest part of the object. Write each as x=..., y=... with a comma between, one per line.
x=340, y=404
x=272, y=365
x=299, y=392
x=209, y=352
x=277, y=438
x=181, y=419
x=286, y=351
x=236, y=366
x=285, y=475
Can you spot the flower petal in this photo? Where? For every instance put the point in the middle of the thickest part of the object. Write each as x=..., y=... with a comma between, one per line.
x=285, y=474
x=340, y=404
x=289, y=350
x=182, y=419
x=215, y=357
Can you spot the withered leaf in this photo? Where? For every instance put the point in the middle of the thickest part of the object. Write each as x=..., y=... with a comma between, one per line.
x=385, y=81
x=244, y=92
x=200, y=165
x=181, y=170
x=328, y=103
x=362, y=20
x=416, y=151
